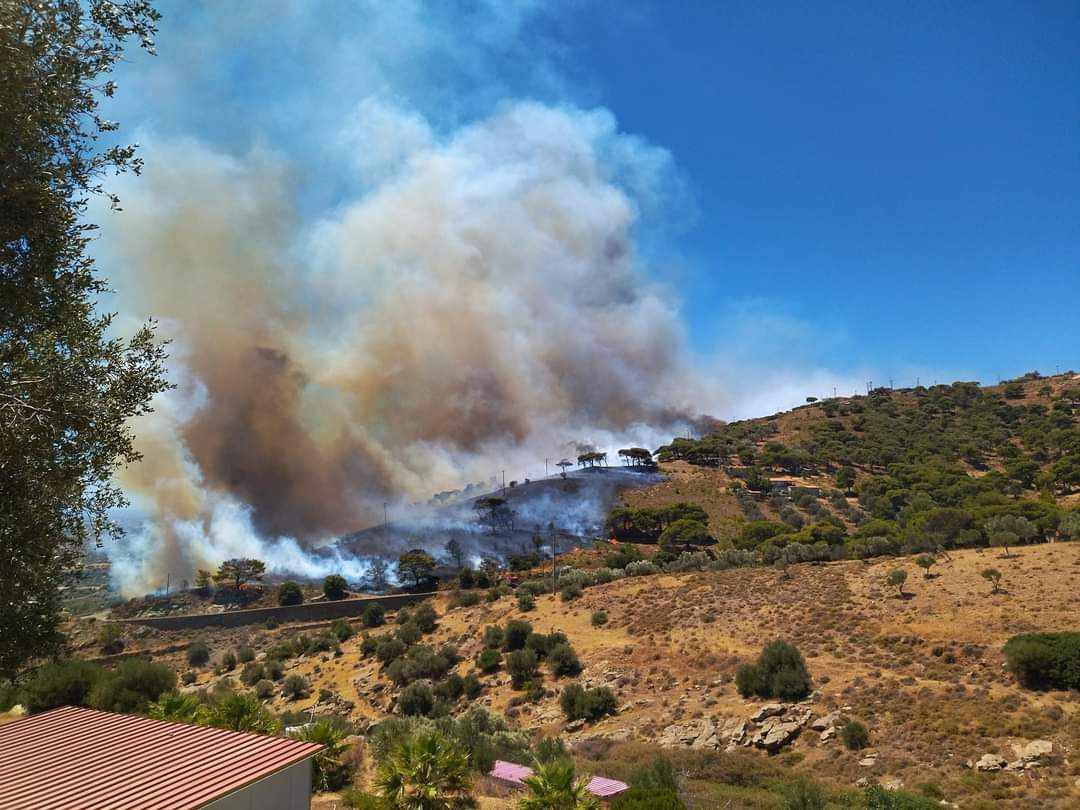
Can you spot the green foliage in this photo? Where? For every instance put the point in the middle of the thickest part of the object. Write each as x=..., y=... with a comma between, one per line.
x=1045, y=660
x=878, y=798
x=555, y=784
x=488, y=660
x=110, y=638
x=854, y=735
x=227, y=662
x=648, y=523
x=198, y=654
x=335, y=587
x=416, y=699
x=71, y=390
x=240, y=712
x=176, y=707
x=516, y=634
x=599, y=618
x=526, y=602
x=926, y=562
x=563, y=661
x=684, y=533
x=896, y=579
x=578, y=703
x=647, y=799
x=409, y=633
x=779, y=672
x=295, y=687
x=802, y=794
x=341, y=630
x=424, y=772
x=522, y=666
x=239, y=571
x=61, y=683
x=289, y=593
x=132, y=686
x=417, y=565
x=425, y=617
x=374, y=615
x=245, y=654
x=993, y=576
x=571, y=591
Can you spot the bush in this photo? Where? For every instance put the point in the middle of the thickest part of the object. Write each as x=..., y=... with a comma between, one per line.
x=374, y=615
x=522, y=666
x=388, y=649
x=228, y=661
x=570, y=591
x=473, y=686
x=245, y=654
x=295, y=687
x=879, y=798
x=578, y=703
x=450, y=688
x=526, y=602
x=426, y=618
x=854, y=735
x=641, y=568
x=516, y=635
x=493, y=636
x=264, y=690
x=1045, y=660
x=273, y=669
x=335, y=587
x=251, y=674
x=188, y=677
x=368, y=645
x=416, y=699
x=646, y=799
x=488, y=660
x=289, y=593
x=341, y=630
x=780, y=672
x=599, y=618
x=198, y=654
x=467, y=599
x=110, y=637
x=132, y=686
x=409, y=633
x=63, y=683
x=563, y=661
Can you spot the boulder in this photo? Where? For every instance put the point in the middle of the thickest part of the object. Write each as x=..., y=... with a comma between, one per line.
x=1034, y=750
x=825, y=721
x=990, y=763
x=766, y=711
x=828, y=734
x=777, y=735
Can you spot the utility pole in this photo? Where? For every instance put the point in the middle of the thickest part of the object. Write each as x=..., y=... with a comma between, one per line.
x=546, y=460
x=554, y=573
x=168, y=582
x=385, y=517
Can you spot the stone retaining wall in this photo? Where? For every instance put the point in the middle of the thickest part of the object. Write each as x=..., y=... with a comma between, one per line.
x=312, y=611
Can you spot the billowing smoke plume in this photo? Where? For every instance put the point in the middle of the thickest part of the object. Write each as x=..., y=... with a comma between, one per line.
x=477, y=306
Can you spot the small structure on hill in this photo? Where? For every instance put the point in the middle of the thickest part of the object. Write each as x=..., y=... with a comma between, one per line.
x=513, y=775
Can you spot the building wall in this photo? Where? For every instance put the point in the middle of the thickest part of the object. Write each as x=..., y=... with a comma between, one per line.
x=288, y=789
x=312, y=611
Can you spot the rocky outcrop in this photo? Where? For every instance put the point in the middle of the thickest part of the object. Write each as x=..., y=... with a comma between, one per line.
x=770, y=728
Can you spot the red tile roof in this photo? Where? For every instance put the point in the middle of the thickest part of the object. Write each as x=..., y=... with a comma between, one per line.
x=80, y=759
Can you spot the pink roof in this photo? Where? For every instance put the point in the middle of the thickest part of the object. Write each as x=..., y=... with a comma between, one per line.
x=517, y=774
x=599, y=786
x=81, y=759
x=511, y=771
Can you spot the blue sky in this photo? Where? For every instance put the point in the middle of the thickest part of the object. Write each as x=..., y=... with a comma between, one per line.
x=851, y=190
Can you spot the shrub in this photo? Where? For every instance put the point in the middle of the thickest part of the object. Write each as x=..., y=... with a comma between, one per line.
x=264, y=689
x=132, y=686
x=599, y=618
x=368, y=645
x=228, y=661
x=493, y=636
x=245, y=654
x=188, y=677
x=578, y=703
x=467, y=599
x=780, y=672
x=802, y=794
x=335, y=587
x=516, y=635
x=488, y=660
x=110, y=637
x=878, y=798
x=374, y=615
x=273, y=669
x=473, y=686
x=251, y=673
x=641, y=568
x=341, y=630
x=361, y=800
x=289, y=593
x=450, y=688
x=416, y=699
x=426, y=618
x=63, y=683
x=1045, y=660
x=198, y=654
x=295, y=687
x=854, y=735
x=526, y=602
x=647, y=799
x=389, y=648
x=563, y=661
x=409, y=633
x=570, y=591
x=522, y=666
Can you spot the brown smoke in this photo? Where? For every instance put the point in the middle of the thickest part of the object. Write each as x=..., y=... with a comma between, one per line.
x=483, y=301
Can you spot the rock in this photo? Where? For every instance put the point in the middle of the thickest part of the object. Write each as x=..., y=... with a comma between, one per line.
x=768, y=710
x=990, y=762
x=862, y=781
x=620, y=735
x=892, y=783
x=733, y=731
x=868, y=762
x=828, y=734
x=1034, y=750
x=575, y=725
x=825, y=721
x=777, y=735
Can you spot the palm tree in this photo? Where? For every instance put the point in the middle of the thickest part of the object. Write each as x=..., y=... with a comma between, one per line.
x=328, y=772
x=241, y=712
x=176, y=707
x=554, y=786
x=425, y=772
